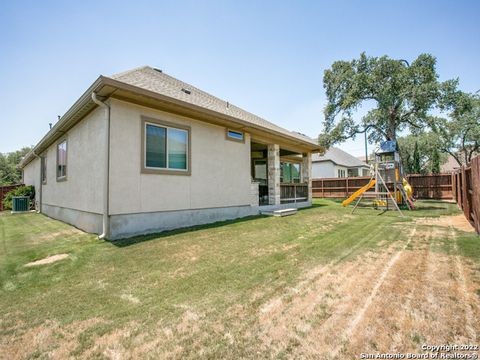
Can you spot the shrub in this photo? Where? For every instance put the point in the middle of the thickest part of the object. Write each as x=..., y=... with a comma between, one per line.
x=20, y=191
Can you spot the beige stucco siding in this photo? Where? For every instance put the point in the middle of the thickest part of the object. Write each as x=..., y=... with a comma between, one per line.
x=220, y=169
x=83, y=188
x=31, y=176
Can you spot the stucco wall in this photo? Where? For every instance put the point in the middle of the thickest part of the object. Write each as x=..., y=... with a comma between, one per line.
x=220, y=169
x=83, y=188
x=325, y=169
x=338, y=167
x=31, y=176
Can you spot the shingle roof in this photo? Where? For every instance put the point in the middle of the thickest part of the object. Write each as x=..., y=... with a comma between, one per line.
x=339, y=157
x=157, y=81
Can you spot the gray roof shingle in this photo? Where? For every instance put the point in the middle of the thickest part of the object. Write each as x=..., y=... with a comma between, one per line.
x=157, y=81
x=339, y=157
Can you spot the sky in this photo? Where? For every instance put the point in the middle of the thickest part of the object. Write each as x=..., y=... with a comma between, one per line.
x=267, y=57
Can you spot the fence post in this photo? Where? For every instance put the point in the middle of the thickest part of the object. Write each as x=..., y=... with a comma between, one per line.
x=466, y=207
x=460, y=187
x=475, y=183
x=453, y=187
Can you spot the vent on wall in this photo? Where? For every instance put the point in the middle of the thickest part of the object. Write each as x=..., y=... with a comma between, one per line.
x=186, y=91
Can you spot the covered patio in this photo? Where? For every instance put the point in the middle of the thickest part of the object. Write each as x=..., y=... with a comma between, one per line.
x=280, y=175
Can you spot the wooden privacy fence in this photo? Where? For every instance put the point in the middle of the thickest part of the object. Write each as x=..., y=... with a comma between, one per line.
x=434, y=186
x=3, y=192
x=466, y=191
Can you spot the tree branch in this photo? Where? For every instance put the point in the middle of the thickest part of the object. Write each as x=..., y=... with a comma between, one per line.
x=453, y=155
x=413, y=124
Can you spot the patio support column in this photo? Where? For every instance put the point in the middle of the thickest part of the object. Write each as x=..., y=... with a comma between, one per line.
x=307, y=172
x=273, y=174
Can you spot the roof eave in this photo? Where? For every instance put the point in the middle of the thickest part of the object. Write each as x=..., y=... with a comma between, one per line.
x=62, y=124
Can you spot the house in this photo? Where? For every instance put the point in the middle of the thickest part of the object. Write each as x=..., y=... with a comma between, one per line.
x=450, y=165
x=142, y=152
x=336, y=163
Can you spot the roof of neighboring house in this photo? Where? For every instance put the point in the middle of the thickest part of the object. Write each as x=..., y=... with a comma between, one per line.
x=338, y=157
x=449, y=165
x=150, y=84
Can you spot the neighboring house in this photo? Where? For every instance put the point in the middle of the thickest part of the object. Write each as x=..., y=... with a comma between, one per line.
x=449, y=165
x=336, y=163
x=143, y=152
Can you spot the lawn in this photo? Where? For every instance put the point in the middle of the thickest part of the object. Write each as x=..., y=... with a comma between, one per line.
x=261, y=287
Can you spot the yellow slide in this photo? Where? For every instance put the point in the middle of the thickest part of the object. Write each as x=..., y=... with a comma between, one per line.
x=358, y=193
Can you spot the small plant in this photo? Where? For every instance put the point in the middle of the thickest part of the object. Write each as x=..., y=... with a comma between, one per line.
x=417, y=338
x=20, y=191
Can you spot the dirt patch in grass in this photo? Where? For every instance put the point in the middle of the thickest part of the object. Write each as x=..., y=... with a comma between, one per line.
x=456, y=221
x=47, y=260
x=130, y=298
x=57, y=234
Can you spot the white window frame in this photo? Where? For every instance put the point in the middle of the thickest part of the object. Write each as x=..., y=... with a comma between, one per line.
x=63, y=177
x=232, y=138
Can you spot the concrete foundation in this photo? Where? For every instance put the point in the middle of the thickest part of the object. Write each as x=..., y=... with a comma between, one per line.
x=86, y=221
x=122, y=226
x=298, y=205
x=127, y=225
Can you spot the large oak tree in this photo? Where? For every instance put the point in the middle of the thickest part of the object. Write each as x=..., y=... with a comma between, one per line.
x=401, y=96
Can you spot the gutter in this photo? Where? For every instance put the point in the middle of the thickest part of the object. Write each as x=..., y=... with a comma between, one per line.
x=106, y=182
x=62, y=125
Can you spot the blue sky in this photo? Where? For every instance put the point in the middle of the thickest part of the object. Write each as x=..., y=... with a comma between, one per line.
x=267, y=57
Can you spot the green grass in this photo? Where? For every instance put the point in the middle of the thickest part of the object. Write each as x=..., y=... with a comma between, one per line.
x=208, y=269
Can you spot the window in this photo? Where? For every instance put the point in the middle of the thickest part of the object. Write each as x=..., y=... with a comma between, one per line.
x=341, y=173
x=296, y=173
x=260, y=171
x=166, y=148
x=353, y=172
x=290, y=172
x=235, y=135
x=44, y=169
x=62, y=160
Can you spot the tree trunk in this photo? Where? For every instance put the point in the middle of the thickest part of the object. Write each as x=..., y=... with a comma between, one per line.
x=391, y=131
x=392, y=124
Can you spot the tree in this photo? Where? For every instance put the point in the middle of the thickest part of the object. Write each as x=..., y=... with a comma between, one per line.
x=420, y=153
x=417, y=167
x=435, y=160
x=460, y=135
x=402, y=96
x=9, y=173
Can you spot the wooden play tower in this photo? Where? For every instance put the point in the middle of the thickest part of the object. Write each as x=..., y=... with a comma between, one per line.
x=391, y=189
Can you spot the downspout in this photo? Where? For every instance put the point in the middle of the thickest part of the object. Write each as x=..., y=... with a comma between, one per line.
x=39, y=210
x=106, y=183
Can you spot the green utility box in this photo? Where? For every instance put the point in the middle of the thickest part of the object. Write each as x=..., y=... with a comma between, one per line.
x=20, y=204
